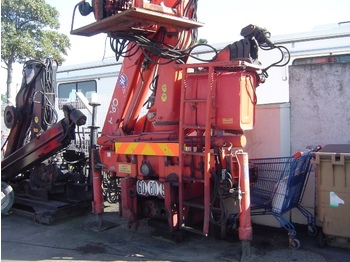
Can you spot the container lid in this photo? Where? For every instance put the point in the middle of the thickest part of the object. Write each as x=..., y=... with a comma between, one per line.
x=336, y=148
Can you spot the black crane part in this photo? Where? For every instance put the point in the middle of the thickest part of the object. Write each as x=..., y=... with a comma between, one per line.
x=42, y=188
x=54, y=197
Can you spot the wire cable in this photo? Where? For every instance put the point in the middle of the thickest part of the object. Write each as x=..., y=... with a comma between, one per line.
x=284, y=55
x=153, y=49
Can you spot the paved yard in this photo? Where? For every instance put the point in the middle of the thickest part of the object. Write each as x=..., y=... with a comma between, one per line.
x=72, y=239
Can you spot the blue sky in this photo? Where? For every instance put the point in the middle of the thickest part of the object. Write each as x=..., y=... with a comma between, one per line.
x=223, y=20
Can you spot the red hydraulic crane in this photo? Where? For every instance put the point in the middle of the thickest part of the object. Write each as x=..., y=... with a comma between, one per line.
x=173, y=134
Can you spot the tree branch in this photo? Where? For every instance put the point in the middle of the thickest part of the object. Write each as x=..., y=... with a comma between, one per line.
x=24, y=23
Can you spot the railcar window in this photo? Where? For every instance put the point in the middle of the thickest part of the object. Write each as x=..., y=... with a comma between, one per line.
x=66, y=92
x=323, y=59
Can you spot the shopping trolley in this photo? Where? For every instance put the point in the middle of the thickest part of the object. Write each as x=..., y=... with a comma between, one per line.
x=280, y=187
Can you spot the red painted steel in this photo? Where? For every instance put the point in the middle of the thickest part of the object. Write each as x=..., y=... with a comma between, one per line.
x=245, y=231
x=97, y=203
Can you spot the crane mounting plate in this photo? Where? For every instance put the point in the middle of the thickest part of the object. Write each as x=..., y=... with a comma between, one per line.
x=136, y=20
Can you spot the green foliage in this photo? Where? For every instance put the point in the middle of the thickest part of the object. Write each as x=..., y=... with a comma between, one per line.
x=4, y=98
x=28, y=31
x=202, y=41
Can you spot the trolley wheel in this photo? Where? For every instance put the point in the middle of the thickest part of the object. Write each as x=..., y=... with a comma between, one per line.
x=7, y=198
x=321, y=239
x=312, y=230
x=294, y=243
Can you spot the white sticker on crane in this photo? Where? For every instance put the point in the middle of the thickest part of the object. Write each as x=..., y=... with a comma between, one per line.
x=150, y=188
x=122, y=81
x=141, y=187
x=153, y=188
x=335, y=200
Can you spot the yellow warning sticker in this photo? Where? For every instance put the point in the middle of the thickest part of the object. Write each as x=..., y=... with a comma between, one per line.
x=164, y=88
x=149, y=149
x=164, y=97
